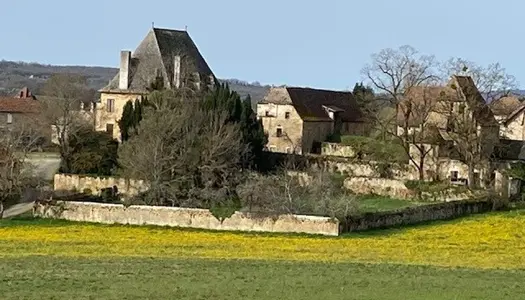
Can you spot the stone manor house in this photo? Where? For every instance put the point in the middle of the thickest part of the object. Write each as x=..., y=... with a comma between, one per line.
x=165, y=54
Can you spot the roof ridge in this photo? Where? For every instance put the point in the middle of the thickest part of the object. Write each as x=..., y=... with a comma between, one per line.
x=317, y=89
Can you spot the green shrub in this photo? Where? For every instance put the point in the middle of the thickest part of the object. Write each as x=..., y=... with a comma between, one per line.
x=376, y=149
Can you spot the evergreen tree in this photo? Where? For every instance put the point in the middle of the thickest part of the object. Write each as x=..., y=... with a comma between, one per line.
x=224, y=99
x=126, y=122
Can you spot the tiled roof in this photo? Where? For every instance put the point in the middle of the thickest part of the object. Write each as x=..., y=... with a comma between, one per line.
x=155, y=56
x=19, y=105
x=460, y=89
x=505, y=106
x=309, y=104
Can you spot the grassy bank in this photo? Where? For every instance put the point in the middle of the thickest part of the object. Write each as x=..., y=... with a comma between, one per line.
x=150, y=278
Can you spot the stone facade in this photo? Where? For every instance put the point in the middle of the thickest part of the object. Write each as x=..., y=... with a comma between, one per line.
x=80, y=183
x=284, y=127
x=514, y=129
x=109, y=111
x=186, y=217
x=298, y=120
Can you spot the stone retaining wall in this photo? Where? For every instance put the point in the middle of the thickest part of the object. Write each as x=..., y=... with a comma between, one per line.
x=185, y=217
x=415, y=215
x=81, y=183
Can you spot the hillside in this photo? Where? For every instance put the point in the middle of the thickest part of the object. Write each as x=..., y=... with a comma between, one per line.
x=14, y=75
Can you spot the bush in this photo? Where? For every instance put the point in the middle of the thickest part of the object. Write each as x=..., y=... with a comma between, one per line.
x=375, y=149
x=318, y=193
x=93, y=152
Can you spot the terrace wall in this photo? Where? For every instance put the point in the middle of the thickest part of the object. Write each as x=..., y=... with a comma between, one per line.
x=81, y=183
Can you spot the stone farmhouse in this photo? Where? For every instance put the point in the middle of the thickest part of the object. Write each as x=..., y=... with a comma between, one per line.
x=13, y=109
x=298, y=120
x=433, y=109
x=511, y=118
x=167, y=55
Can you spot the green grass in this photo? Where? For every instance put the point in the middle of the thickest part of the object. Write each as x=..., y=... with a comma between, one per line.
x=379, y=204
x=127, y=278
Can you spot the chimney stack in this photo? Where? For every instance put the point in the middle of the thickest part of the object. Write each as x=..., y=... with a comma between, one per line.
x=125, y=60
x=176, y=71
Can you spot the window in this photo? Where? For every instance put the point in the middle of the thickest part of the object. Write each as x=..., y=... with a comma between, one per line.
x=267, y=113
x=9, y=118
x=110, y=105
x=288, y=150
x=462, y=108
x=279, y=132
x=109, y=128
x=454, y=176
x=287, y=115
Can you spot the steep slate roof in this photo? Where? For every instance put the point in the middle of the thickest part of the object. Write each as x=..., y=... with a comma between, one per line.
x=311, y=104
x=475, y=100
x=505, y=106
x=19, y=105
x=155, y=56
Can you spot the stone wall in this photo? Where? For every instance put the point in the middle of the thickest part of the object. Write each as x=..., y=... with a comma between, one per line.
x=81, y=183
x=274, y=117
x=185, y=217
x=415, y=215
x=337, y=149
x=378, y=186
x=104, y=117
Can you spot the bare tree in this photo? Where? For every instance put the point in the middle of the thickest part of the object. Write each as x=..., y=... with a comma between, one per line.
x=406, y=79
x=471, y=127
x=16, y=143
x=61, y=110
x=188, y=156
x=492, y=80
x=293, y=192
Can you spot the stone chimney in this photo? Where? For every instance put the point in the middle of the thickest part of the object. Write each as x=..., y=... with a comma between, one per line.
x=125, y=60
x=176, y=71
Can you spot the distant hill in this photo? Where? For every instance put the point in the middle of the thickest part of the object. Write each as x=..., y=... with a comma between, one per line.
x=15, y=75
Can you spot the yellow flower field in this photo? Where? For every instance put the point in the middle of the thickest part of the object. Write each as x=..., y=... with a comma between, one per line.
x=490, y=241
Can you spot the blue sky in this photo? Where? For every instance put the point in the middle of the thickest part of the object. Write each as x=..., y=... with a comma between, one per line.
x=321, y=44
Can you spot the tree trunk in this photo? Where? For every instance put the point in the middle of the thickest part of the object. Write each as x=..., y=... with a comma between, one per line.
x=471, y=182
x=1, y=210
x=421, y=168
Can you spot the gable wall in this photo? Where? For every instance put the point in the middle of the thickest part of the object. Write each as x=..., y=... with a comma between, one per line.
x=514, y=130
x=292, y=128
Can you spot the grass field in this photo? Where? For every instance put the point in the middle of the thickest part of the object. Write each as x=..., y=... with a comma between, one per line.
x=480, y=257
x=378, y=203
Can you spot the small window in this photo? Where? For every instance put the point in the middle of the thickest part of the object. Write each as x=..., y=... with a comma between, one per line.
x=109, y=128
x=9, y=118
x=279, y=132
x=287, y=115
x=110, y=105
x=454, y=176
x=267, y=113
x=288, y=150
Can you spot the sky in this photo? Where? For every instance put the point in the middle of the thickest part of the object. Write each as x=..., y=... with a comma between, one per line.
x=320, y=44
